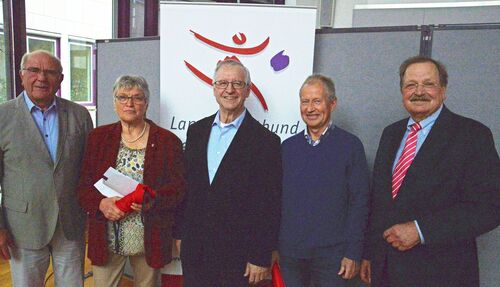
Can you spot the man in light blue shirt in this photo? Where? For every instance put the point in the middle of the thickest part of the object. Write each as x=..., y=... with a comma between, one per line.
x=42, y=139
x=221, y=136
x=47, y=123
x=230, y=220
x=434, y=190
x=426, y=125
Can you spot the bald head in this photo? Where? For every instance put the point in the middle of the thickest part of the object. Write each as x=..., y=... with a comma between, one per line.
x=26, y=57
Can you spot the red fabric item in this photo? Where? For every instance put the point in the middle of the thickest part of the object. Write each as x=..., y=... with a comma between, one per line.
x=136, y=196
x=277, y=278
x=168, y=280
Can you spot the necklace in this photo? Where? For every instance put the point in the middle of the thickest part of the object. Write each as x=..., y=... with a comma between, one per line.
x=137, y=138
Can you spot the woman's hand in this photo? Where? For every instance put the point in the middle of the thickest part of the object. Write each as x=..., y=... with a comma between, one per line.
x=136, y=207
x=108, y=207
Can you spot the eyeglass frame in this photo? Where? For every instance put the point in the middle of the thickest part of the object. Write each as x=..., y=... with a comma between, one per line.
x=37, y=71
x=135, y=99
x=216, y=84
x=426, y=86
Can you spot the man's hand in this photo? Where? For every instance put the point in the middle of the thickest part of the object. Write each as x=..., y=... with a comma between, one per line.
x=5, y=243
x=275, y=257
x=348, y=268
x=108, y=207
x=402, y=236
x=366, y=272
x=256, y=273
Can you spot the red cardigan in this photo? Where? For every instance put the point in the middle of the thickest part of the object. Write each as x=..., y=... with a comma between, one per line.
x=163, y=171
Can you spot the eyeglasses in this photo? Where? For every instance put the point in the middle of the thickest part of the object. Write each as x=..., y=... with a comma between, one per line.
x=224, y=84
x=135, y=99
x=33, y=71
x=410, y=87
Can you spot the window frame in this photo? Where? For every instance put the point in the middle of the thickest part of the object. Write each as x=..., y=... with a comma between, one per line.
x=92, y=73
x=55, y=40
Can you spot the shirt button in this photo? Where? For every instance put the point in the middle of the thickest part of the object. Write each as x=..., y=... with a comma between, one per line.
x=46, y=136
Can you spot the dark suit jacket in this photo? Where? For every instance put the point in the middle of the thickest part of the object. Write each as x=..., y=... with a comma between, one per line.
x=451, y=189
x=235, y=219
x=163, y=171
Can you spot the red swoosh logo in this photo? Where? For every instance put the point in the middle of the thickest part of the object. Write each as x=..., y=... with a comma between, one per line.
x=199, y=74
x=241, y=51
x=239, y=41
x=259, y=95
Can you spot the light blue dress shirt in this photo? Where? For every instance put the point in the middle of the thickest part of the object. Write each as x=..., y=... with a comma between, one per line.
x=221, y=137
x=47, y=123
x=426, y=125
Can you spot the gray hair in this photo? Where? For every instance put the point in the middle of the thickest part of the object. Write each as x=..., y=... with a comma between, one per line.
x=27, y=55
x=327, y=83
x=233, y=63
x=129, y=82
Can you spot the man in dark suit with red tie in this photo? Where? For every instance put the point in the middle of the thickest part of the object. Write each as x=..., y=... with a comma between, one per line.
x=435, y=189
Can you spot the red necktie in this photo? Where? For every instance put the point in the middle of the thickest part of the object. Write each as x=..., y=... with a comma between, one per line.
x=405, y=159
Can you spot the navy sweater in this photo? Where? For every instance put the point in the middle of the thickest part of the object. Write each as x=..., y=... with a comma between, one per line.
x=325, y=196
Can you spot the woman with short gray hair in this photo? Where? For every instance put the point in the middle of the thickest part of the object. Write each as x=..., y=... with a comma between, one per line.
x=137, y=226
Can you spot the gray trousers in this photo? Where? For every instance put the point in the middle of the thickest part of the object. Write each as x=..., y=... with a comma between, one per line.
x=29, y=267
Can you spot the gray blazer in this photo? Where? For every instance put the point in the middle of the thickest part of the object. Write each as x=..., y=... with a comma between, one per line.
x=36, y=192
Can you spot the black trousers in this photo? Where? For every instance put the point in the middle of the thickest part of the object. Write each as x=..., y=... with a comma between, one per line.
x=203, y=273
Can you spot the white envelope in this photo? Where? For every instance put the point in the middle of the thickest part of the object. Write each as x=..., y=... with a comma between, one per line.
x=115, y=183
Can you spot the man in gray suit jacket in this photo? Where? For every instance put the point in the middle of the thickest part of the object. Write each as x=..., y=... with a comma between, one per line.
x=42, y=139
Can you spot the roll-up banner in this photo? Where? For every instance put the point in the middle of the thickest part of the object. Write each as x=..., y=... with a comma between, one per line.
x=275, y=42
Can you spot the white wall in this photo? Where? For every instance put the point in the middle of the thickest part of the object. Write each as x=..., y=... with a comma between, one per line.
x=343, y=11
x=400, y=14
x=80, y=18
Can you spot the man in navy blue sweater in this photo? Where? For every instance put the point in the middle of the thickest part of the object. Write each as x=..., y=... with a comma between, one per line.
x=325, y=195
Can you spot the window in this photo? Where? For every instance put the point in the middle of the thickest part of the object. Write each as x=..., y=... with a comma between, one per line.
x=39, y=43
x=137, y=18
x=81, y=72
